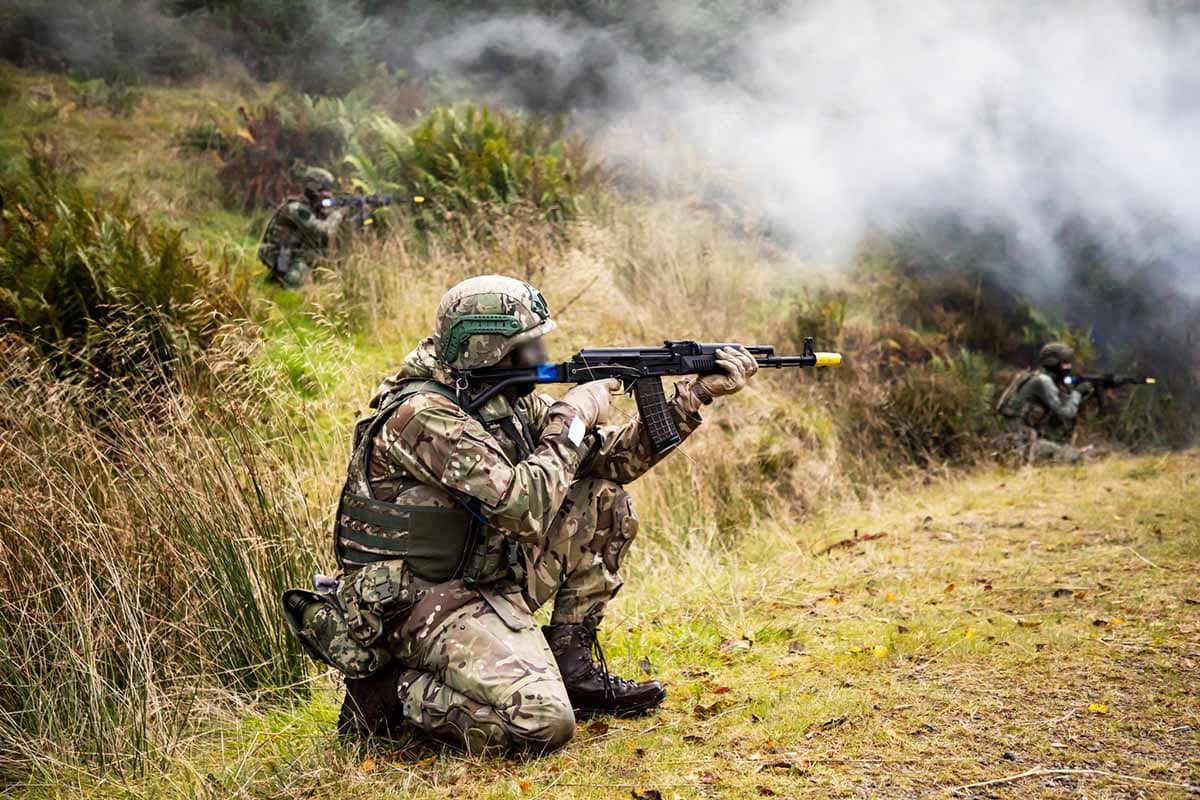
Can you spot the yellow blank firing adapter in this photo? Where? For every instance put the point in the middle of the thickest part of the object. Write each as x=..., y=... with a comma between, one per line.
x=828, y=359
x=819, y=359
x=418, y=199
x=1151, y=380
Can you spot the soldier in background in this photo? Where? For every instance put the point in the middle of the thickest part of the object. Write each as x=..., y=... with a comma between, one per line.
x=302, y=230
x=456, y=525
x=1039, y=410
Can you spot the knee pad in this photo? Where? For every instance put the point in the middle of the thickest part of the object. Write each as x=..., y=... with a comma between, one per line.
x=616, y=523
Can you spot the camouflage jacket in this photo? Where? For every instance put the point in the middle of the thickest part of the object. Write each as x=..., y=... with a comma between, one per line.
x=297, y=226
x=1039, y=401
x=430, y=450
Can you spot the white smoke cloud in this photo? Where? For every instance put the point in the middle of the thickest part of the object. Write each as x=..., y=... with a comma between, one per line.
x=843, y=116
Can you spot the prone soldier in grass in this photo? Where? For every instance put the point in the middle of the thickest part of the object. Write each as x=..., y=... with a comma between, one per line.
x=457, y=523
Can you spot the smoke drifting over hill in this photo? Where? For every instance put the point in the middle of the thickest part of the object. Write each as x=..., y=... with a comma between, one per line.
x=1045, y=121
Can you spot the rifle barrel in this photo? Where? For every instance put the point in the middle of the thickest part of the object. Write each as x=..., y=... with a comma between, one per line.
x=813, y=360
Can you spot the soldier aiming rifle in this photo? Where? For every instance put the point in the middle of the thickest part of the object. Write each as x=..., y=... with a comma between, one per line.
x=1040, y=407
x=304, y=230
x=472, y=500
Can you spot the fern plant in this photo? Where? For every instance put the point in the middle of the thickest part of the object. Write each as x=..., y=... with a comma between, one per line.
x=96, y=288
x=471, y=161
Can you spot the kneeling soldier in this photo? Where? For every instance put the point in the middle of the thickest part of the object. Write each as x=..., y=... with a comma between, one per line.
x=1039, y=409
x=302, y=230
x=455, y=526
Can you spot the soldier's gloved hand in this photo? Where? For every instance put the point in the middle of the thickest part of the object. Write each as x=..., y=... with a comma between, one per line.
x=592, y=401
x=738, y=366
x=1086, y=389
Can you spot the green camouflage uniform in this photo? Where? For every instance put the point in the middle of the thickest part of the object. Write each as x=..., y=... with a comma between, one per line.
x=480, y=667
x=299, y=234
x=1039, y=418
x=472, y=666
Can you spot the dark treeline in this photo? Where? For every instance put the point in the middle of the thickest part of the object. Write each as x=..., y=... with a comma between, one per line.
x=327, y=46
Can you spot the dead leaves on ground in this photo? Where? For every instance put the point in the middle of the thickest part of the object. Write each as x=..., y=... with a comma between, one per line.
x=712, y=709
x=856, y=539
x=735, y=645
x=370, y=765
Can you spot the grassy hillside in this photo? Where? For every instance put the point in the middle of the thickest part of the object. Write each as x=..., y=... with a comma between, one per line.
x=1034, y=622
x=156, y=511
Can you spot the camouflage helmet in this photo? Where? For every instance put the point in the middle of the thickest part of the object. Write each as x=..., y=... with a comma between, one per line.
x=482, y=319
x=1055, y=354
x=315, y=179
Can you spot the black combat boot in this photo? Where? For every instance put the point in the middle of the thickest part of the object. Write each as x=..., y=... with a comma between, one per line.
x=372, y=706
x=590, y=686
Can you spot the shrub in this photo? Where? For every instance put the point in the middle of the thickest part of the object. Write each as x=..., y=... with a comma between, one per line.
x=820, y=315
x=206, y=137
x=98, y=290
x=472, y=164
x=262, y=149
x=930, y=414
x=945, y=280
x=115, y=98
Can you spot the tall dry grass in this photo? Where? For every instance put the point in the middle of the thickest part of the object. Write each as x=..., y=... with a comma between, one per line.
x=141, y=563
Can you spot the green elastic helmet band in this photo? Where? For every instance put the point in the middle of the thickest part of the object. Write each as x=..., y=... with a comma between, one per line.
x=469, y=325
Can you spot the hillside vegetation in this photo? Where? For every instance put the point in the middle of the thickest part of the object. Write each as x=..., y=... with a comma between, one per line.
x=174, y=433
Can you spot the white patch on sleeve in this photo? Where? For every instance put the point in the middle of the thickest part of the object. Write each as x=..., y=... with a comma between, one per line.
x=576, y=431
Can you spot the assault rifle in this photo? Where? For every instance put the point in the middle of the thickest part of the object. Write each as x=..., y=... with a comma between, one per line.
x=640, y=370
x=361, y=206
x=1106, y=382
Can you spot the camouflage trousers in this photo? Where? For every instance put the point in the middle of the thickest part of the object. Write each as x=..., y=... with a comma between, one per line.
x=1047, y=452
x=290, y=266
x=1021, y=444
x=482, y=676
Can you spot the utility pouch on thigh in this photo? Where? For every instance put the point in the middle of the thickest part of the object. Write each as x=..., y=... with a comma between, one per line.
x=509, y=607
x=376, y=597
x=320, y=625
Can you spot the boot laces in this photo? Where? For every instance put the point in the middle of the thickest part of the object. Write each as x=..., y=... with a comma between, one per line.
x=589, y=628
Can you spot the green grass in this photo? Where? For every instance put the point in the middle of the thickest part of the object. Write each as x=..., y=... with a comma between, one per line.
x=1005, y=613
x=773, y=655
